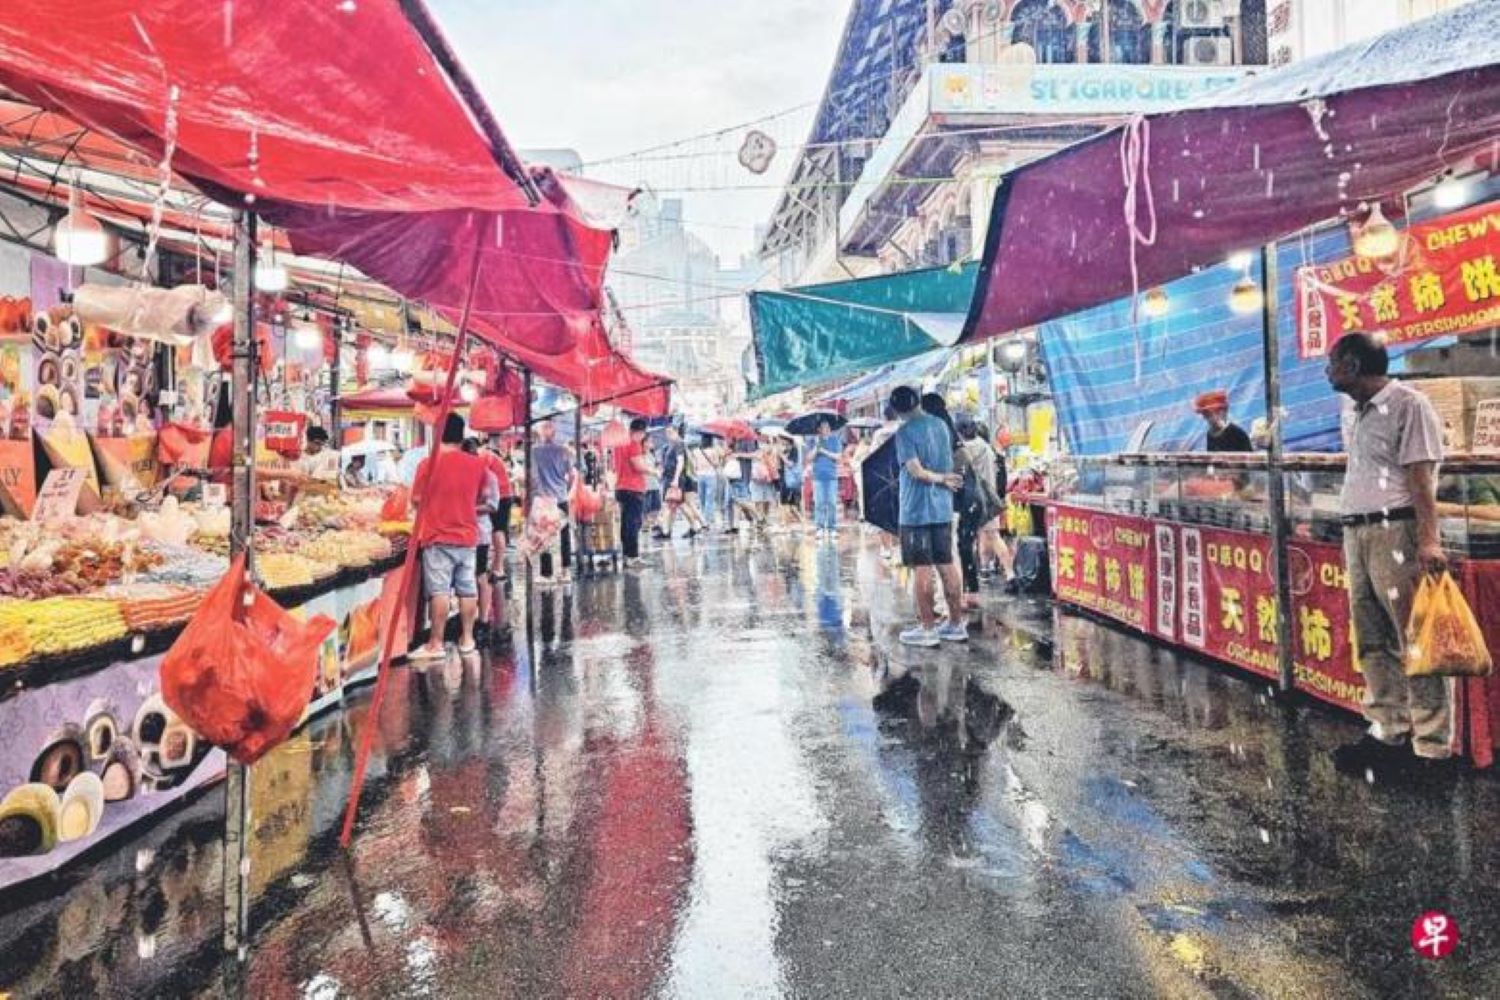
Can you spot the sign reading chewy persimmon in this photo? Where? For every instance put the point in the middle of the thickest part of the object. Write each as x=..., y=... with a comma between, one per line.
x=1444, y=280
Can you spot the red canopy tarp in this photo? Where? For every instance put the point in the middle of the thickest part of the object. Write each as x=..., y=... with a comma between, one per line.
x=1282, y=151
x=341, y=127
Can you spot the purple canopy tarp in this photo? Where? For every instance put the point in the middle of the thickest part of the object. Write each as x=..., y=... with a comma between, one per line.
x=1280, y=152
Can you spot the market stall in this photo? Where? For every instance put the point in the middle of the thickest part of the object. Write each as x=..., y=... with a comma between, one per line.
x=182, y=152
x=1366, y=177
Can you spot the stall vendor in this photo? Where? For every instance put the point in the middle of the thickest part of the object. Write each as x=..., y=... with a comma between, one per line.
x=1213, y=407
x=319, y=461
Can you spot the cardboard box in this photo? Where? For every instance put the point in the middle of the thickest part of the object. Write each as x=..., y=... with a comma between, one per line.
x=1457, y=401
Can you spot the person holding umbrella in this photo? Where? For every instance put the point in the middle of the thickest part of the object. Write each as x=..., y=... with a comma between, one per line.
x=827, y=452
x=827, y=465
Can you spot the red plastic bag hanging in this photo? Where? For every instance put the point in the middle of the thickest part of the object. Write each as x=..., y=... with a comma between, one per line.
x=397, y=506
x=183, y=444
x=241, y=674
x=492, y=414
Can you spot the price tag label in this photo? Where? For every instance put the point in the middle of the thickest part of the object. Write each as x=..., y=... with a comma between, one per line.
x=215, y=494
x=57, y=500
x=1487, y=427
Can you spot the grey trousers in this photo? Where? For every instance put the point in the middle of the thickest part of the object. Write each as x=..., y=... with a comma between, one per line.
x=1383, y=576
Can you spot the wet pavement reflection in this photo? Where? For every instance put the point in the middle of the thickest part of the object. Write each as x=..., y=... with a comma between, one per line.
x=723, y=777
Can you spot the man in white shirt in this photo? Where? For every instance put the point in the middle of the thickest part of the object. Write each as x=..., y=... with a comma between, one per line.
x=319, y=461
x=1394, y=441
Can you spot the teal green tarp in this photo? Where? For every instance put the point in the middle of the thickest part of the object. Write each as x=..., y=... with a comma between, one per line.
x=821, y=332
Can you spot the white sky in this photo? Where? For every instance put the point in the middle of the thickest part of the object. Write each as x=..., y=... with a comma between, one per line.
x=606, y=77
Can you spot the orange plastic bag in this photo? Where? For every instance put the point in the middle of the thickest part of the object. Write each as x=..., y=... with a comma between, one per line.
x=397, y=505
x=241, y=674
x=1443, y=639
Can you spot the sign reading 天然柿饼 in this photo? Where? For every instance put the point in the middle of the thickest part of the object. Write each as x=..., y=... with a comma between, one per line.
x=1212, y=590
x=1445, y=280
x=1064, y=88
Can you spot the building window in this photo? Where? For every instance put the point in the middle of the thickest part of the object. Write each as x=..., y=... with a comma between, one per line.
x=1129, y=35
x=1042, y=25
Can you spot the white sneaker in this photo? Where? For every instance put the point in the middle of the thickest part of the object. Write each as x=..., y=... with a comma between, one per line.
x=950, y=632
x=920, y=636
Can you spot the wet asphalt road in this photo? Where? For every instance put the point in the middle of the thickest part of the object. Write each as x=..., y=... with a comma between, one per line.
x=723, y=778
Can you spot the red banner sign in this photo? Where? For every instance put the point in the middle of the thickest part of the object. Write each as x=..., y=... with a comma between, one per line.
x=1444, y=280
x=1229, y=609
x=1211, y=590
x=1106, y=563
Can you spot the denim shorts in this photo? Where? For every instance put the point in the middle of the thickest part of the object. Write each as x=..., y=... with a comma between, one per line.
x=449, y=569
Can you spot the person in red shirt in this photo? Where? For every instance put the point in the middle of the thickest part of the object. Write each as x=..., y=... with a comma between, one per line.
x=448, y=501
x=494, y=460
x=631, y=463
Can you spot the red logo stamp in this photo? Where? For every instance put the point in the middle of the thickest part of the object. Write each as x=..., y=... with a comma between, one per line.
x=1434, y=935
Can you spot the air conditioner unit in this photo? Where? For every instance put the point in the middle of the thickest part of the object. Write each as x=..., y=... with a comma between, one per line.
x=1200, y=14
x=1205, y=51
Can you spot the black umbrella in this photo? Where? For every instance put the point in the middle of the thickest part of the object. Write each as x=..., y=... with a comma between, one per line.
x=880, y=477
x=807, y=424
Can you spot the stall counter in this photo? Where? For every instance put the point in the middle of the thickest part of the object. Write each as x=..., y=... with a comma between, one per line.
x=1178, y=547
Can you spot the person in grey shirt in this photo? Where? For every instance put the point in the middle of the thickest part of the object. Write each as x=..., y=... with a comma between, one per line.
x=1394, y=441
x=552, y=476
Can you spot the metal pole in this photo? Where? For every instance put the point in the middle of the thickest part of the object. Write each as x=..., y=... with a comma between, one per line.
x=527, y=484
x=241, y=523
x=1275, y=484
x=335, y=416
x=579, y=467
x=504, y=153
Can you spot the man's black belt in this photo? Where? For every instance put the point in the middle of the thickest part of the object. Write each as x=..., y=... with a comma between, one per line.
x=1380, y=517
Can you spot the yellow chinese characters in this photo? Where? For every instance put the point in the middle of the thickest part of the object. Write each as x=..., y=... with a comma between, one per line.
x=1232, y=610
x=1317, y=634
x=1481, y=280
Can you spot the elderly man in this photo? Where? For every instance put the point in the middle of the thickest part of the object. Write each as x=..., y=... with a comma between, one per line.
x=1394, y=440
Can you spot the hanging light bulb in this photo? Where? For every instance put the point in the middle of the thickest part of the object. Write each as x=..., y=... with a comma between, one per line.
x=79, y=239
x=1241, y=260
x=1376, y=239
x=269, y=275
x=378, y=356
x=307, y=335
x=402, y=359
x=1451, y=192
x=468, y=392
x=1155, y=304
x=1245, y=297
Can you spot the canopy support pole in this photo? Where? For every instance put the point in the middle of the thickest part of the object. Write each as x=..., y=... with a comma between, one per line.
x=241, y=524
x=527, y=484
x=1275, y=483
x=578, y=470
x=500, y=148
x=335, y=408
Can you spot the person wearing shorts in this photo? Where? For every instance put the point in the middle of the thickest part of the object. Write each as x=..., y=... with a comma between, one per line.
x=924, y=447
x=447, y=502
